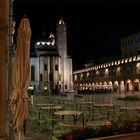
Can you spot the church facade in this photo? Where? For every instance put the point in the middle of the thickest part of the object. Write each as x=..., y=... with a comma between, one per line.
x=118, y=76
x=51, y=67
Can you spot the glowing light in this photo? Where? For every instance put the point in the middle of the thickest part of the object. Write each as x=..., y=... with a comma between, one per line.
x=130, y=59
x=134, y=58
x=45, y=88
x=38, y=43
x=119, y=62
x=31, y=88
x=61, y=21
x=43, y=43
x=48, y=43
x=138, y=58
x=122, y=61
x=126, y=60
x=106, y=70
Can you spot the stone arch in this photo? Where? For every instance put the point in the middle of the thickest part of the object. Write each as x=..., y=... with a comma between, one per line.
x=100, y=83
x=86, y=86
x=136, y=85
x=110, y=83
x=89, y=86
x=118, y=71
x=93, y=83
x=75, y=77
x=105, y=83
x=116, y=86
x=138, y=68
x=129, y=85
x=93, y=86
x=81, y=76
x=96, y=86
x=106, y=72
x=110, y=86
x=96, y=83
x=106, y=87
x=81, y=86
x=122, y=87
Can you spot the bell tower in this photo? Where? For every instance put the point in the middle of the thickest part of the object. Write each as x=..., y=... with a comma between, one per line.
x=61, y=42
x=61, y=38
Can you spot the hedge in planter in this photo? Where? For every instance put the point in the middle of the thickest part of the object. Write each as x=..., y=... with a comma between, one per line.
x=122, y=125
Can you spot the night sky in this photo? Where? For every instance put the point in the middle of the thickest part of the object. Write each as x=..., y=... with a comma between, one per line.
x=94, y=27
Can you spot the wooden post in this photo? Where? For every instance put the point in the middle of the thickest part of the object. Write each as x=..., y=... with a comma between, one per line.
x=4, y=40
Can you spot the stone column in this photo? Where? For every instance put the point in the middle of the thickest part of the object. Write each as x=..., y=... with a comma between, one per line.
x=4, y=40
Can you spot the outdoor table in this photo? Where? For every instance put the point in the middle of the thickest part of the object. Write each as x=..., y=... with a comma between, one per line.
x=132, y=108
x=70, y=112
x=82, y=103
x=40, y=105
x=51, y=109
x=105, y=105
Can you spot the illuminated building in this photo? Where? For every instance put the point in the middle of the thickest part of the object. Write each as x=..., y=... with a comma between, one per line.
x=118, y=76
x=130, y=46
x=51, y=67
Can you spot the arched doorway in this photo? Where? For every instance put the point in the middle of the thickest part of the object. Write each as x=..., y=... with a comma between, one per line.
x=122, y=87
x=116, y=86
x=110, y=86
x=136, y=85
x=128, y=85
x=138, y=68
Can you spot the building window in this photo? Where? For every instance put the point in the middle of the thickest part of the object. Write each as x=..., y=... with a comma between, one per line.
x=51, y=77
x=113, y=72
x=41, y=77
x=128, y=72
x=59, y=77
x=125, y=55
x=130, y=42
x=118, y=71
x=131, y=54
x=56, y=67
x=97, y=74
x=138, y=52
x=75, y=77
x=81, y=77
x=138, y=68
x=45, y=67
x=88, y=75
x=106, y=72
x=32, y=73
x=135, y=70
x=136, y=40
x=56, y=86
x=66, y=86
x=125, y=44
x=139, y=39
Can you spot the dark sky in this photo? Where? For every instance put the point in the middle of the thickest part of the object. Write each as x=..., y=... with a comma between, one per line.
x=94, y=27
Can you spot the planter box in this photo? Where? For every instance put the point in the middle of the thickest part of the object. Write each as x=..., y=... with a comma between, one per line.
x=130, y=136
